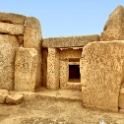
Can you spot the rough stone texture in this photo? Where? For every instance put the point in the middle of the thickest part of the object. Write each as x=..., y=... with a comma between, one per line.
x=70, y=53
x=8, y=45
x=32, y=34
x=29, y=96
x=12, y=18
x=65, y=55
x=101, y=74
x=114, y=27
x=26, y=69
x=33, y=39
x=64, y=74
x=53, y=69
x=64, y=77
x=11, y=29
x=69, y=41
x=44, y=66
x=14, y=98
x=121, y=98
x=3, y=95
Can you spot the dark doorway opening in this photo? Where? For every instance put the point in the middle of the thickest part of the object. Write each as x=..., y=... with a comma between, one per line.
x=74, y=73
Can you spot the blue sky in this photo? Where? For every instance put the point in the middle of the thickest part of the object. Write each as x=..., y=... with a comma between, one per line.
x=65, y=17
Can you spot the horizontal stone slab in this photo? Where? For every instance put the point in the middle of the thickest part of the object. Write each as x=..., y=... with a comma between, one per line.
x=11, y=29
x=12, y=18
x=69, y=41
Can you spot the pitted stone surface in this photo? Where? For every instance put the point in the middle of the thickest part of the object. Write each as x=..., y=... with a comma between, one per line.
x=32, y=34
x=26, y=69
x=101, y=74
x=12, y=18
x=11, y=29
x=8, y=45
x=114, y=27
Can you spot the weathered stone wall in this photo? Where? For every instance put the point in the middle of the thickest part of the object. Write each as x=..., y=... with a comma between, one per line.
x=65, y=55
x=15, y=31
x=11, y=27
x=53, y=69
x=101, y=74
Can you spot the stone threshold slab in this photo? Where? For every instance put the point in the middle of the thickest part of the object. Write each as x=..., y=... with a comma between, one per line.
x=58, y=94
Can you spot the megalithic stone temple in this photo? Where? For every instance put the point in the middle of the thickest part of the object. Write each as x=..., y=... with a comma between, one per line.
x=92, y=64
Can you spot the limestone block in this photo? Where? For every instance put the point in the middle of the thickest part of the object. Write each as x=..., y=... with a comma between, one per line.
x=101, y=74
x=114, y=27
x=14, y=98
x=70, y=41
x=29, y=96
x=53, y=69
x=32, y=34
x=8, y=45
x=121, y=98
x=74, y=86
x=70, y=53
x=12, y=18
x=64, y=73
x=3, y=95
x=11, y=29
x=26, y=69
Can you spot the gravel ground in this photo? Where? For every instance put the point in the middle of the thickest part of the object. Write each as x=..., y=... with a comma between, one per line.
x=55, y=111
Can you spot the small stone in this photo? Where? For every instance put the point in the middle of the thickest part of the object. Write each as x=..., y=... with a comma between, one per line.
x=3, y=95
x=14, y=98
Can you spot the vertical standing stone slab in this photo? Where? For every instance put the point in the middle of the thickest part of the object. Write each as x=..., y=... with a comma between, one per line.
x=114, y=27
x=8, y=45
x=53, y=69
x=26, y=69
x=64, y=73
x=32, y=39
x=101, y=74
x=44, y=67
x=32, y=33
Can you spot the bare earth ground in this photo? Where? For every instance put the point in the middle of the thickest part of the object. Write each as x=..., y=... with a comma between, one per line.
x=55, y=111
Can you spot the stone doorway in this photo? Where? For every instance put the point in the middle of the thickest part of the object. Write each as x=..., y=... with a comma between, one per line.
x=70, y=69
x=74, y=71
